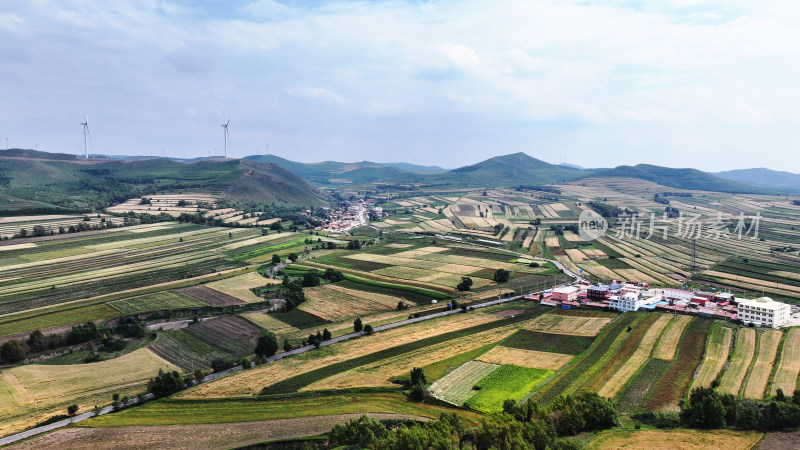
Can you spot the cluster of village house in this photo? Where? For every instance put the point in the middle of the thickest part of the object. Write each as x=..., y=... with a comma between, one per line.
x=623, y=297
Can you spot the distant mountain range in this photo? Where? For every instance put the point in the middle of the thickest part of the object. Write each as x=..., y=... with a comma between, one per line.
x=31, y=179
x=764, y=177
x=41, y=178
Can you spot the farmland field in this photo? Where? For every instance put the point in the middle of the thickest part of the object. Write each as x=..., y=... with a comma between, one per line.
x=156, y=302
x=506, y=382
x=571, y=325
x=789, y=365
x=240, y=286
x=210, y=296
x=669, y=341
x=546, y=342
x=333, y=302
x=761, y=369
x=30, y=393
x=672, y=439
x=740, y=361
x=457, y=386
x=717, y=349
x=525, y=358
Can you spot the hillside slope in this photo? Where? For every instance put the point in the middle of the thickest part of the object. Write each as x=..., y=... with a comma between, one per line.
x=679, y=178
x=764, y=177
x=333, y=172
x=38, y=180
x=507, y=170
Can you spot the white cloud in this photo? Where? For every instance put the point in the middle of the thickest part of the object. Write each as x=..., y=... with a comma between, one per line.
x=668, y=79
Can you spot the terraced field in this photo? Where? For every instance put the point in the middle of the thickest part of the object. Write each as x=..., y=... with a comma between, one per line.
x=717, y=350
x=457, y=386
x=740, y=361
x=789, y=365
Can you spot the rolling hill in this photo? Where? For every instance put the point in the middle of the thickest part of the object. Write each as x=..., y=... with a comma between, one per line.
x=764, y=177
x=41, y=180
x=507, y=170
x=679, y=178
x=333, y=172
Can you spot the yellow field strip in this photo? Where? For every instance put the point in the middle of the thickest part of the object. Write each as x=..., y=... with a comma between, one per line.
x=789, y=365
x=762, y=367
x=740, y=362
x=669, y=341
x=717, y=350
x=616, y=382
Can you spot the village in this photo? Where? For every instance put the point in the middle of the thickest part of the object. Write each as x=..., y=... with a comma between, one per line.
x=631, y=296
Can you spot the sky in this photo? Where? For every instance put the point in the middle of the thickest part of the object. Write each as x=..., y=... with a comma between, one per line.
x=680, y=83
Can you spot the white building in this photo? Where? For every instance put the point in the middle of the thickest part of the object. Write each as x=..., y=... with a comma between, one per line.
x=626, y=302
x=764, y=312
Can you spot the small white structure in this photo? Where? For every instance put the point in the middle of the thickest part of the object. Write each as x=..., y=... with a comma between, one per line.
x=764, y=312
x=626, y=302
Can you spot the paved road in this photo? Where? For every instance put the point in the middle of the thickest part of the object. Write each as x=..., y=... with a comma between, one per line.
x=108, y=409
x=81, y=417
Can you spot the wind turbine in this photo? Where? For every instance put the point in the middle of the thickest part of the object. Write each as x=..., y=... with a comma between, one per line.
x=85, y=124
x=227, y=136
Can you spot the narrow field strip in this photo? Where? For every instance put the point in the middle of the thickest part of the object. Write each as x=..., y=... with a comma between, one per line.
x=762, y=368
x=717, y=351
x=457, y=386
x=525, y=358
x=742, y=356
x=616, y=382
x=669, y=341
x=789, y=365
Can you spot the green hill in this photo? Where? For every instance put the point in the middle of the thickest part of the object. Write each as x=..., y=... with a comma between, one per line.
x=679, y=178
x=507, y=170
x=764, y=177
x=39, y=180
x=333, y=172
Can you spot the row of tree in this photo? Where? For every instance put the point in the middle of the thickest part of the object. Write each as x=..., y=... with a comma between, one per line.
x=518, y=427
x=16, y=350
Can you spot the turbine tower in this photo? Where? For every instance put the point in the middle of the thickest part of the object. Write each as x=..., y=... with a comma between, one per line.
x=227, y=136
x=86, y=134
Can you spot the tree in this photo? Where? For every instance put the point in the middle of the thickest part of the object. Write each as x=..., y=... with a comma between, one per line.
x=12, y=351
x=246, y=363
x=310, y=279
x=276, y=259
x=267, y=344
x=501, y=275
x=165, y=383
x=199, y=375
x=72, y=409
x=401, y=306
x=326, y=335
x=37, y=341
x=276, y=226
x=368, y=329
x=418, y=376
x=357, y=325
x=465, y=284
x=333, y=275
x=354, y=245
x=286, y=345
x=293, y=257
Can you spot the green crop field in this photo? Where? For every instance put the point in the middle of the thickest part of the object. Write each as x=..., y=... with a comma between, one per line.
x=547, y=342
x=504, y=383
x=161, y=301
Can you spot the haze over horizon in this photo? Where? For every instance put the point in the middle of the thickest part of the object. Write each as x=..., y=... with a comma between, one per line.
x=683, y=83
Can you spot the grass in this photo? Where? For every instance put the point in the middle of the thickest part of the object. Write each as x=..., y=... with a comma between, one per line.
x=717, y=351
x=671, y=439
x=672, y=386
x=398, y=287
x=56, y=387
x=441, y=368
x=295, y=383
x=669, y=341
x=160, y=301
x=240, y=286
x=631, y=366
x=785, y=377
x=299, y=318
x=507, y=382
x=582, y=369
x=526, y=358
x=546, y=342
x=762, y=366
x=177, y=412
x=742, y=356
x=458, y=386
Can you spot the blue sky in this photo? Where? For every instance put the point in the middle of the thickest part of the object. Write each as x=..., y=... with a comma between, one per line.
x=681, y=83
